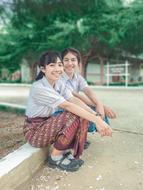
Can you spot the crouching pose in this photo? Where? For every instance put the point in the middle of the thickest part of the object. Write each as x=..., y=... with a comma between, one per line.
x=65, y=130
x=74, y=82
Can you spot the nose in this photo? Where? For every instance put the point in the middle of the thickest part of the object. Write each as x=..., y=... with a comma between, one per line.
x=70, y=62
x=58, y=68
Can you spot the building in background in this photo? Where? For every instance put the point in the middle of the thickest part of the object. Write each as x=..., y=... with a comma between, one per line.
x=129, y=70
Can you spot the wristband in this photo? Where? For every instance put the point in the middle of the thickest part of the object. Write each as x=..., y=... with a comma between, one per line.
x=98, y=114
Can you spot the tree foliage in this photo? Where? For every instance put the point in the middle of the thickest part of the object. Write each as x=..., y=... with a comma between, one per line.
x=102, y=28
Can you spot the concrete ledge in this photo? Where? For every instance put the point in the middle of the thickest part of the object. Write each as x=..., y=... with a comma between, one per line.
x=16, y=84
x=17, y=167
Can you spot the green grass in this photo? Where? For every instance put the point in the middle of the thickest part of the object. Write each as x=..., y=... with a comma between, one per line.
x=19, y=111
x=123, y=84
x=118, y=84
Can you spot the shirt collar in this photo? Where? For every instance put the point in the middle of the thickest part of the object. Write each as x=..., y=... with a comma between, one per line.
x=66, y=77
x=45, y=82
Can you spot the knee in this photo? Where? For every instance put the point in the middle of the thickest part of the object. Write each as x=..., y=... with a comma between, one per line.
x=72, y=117
x=62, y=143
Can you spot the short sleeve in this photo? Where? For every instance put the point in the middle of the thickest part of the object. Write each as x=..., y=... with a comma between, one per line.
x=82, y=84
x=63, y=90
x=47, y=96
x=67, y=94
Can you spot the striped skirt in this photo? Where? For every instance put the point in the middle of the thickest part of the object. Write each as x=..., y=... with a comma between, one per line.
x=64, y=131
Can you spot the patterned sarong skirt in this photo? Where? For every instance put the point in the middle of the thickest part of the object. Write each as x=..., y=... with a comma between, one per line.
x=41, y=132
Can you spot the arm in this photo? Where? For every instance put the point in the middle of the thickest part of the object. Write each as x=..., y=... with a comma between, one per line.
x=80, y=103
x=102, y=127
x=108, y=111
x=92, y=96
x=84, y=98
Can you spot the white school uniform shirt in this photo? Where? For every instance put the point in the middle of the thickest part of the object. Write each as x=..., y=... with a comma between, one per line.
x=44, y=100
x=76, y=84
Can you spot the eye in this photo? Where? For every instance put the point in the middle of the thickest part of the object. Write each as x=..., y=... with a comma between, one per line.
x=73, y=60
x=60, y=65
x=66, y=60
x=52, y=65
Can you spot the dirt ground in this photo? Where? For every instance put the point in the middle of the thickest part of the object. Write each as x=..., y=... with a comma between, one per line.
x=11, y=132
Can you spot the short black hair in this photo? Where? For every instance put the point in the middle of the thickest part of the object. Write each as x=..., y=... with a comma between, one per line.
x=71, y=50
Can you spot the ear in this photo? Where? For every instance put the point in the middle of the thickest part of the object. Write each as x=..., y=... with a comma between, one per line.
x=42, y=69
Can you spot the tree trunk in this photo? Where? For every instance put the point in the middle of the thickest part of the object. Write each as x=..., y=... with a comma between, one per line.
x=101, y=70
x=84, y=67
x=31, y=58
x=85, y=59
x=33, y=68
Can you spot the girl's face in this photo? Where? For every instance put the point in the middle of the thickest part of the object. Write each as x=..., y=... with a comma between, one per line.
x=53, y=71
x=70, y=62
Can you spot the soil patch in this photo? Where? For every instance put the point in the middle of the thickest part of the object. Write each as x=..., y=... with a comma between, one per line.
x=11, y=132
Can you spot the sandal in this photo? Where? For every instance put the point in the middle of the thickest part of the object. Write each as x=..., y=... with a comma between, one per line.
x=71, y=167
x=69, y=155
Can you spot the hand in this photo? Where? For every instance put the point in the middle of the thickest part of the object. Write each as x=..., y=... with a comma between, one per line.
x=109, y=112
x=103, y=128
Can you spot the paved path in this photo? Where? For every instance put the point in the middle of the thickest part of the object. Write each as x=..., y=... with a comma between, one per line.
x=110, y=163
x=16, y=94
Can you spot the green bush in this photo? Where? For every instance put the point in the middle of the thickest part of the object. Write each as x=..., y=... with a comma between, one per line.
x=19, y=111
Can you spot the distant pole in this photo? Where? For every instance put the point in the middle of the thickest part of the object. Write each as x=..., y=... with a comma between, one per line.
x=107, y=82
x=126, y=73
x=101, y=71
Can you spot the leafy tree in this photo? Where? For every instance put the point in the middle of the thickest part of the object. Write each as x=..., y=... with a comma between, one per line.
x=98, y=28
x=111, y=31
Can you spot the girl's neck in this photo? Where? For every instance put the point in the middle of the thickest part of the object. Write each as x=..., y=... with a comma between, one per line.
x=51, y=82
x=70, y=75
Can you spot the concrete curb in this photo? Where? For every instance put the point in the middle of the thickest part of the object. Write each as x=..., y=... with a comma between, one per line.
x=92, y=86
x=17, y=167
